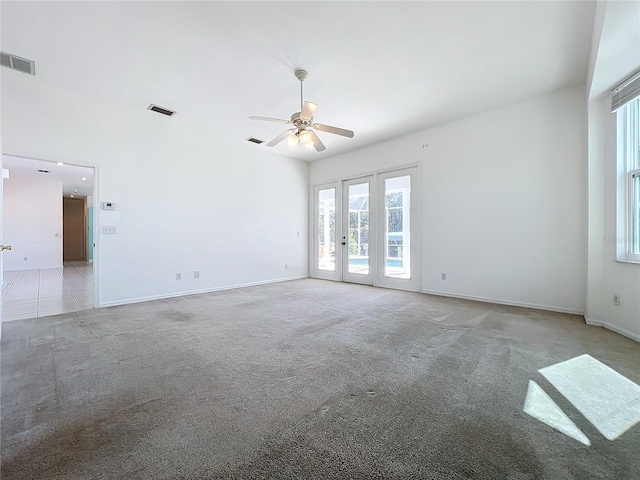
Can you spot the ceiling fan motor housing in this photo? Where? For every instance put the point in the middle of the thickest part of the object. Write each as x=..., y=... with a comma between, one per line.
x=299, y=122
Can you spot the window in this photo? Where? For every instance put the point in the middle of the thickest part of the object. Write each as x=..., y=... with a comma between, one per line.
x=629, y=181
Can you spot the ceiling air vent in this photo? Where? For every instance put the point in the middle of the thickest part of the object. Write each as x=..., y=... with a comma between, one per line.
x=18, y=63
x=163, y=111
x=254, y=140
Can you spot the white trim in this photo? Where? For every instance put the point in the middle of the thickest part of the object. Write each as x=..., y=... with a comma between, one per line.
x=35, y=268
x=627, y=119
x=96, y=260
x=370, y=172
x=412, y=284
x=368, y=279
x=413, y=169
x=500, y=301
x=327, y=279
x=614, y=328
x=313, y=239
x=195, y=292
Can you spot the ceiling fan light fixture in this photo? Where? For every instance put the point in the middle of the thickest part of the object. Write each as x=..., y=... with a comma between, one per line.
x=305, y=137
x=293, y=140
x=309, y=145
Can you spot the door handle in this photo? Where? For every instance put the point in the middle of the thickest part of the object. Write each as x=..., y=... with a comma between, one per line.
x=5, y=247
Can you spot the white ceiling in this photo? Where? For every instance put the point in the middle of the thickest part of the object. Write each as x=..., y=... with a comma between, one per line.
x=70, y=175
x=382, y=69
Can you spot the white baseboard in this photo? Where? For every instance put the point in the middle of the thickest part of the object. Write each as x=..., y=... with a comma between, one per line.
x=613, y=328
x=34, y=268
x=195, y=292
x=499, y=301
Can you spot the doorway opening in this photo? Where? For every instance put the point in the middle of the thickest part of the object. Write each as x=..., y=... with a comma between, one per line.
x=48, y=220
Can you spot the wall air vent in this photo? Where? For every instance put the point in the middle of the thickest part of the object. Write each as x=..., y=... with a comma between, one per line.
x=18, y=63
x=254, y=140
x=163, y=111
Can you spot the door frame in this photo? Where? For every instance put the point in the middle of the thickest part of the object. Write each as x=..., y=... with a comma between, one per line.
x=316, y=272
x=412, y=284
x=415, y=169
x=96, y=213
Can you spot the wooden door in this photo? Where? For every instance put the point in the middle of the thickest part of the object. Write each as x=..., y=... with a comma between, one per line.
x=73, y=232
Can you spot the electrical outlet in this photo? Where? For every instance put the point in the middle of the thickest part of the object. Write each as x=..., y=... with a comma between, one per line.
x=616, y=299
x=443, y=276
x=196, y=274
x=178, y=276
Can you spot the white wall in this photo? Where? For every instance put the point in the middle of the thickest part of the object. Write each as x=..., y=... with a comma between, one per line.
x=616, y=54
x=186, y=200
x=502, y=200
x=32, y=223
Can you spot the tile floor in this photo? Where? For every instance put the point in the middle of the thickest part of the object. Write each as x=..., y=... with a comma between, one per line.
x=38, y=293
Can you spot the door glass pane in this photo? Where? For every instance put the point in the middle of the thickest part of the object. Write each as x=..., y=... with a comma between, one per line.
x=397, y=241
x=358, y=235
x=635, y=213
x=327, y=229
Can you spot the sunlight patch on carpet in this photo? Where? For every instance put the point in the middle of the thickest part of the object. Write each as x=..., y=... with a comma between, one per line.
x=610, y=401
x=540, y=405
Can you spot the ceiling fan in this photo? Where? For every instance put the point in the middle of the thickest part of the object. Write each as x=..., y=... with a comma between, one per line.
x=302, y=132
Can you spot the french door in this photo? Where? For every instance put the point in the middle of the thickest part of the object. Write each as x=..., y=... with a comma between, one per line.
x=366, y=230
x=397, y=255
x=358, y=231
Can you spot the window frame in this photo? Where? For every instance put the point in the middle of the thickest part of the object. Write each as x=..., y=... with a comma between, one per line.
x=628, y=133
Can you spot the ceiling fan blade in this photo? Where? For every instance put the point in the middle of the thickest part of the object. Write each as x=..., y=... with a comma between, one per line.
x=308, y=109
x=269, y=119
x=281, y=137
x=335, y=130
x=317, y=144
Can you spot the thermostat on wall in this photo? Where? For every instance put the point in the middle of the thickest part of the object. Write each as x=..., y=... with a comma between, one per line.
x=108, y=206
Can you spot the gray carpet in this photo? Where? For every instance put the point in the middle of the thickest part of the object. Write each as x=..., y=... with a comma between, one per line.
x=303, y=379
